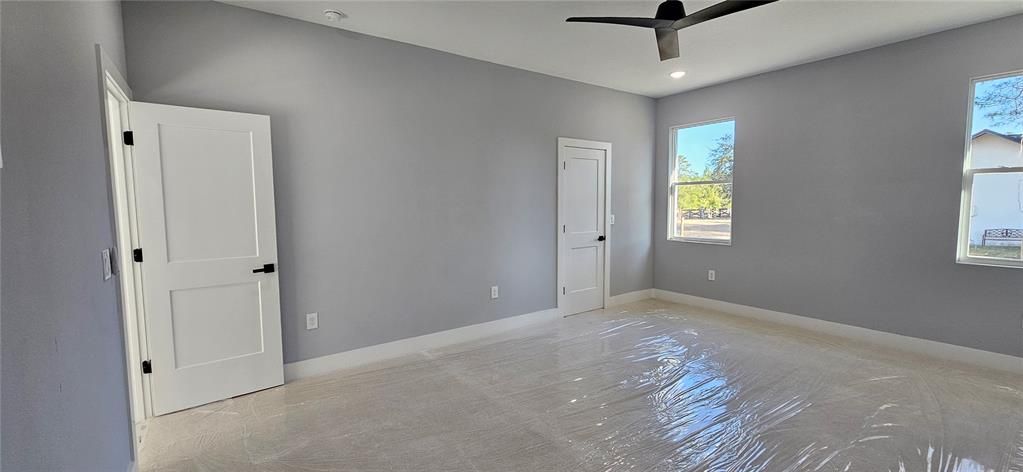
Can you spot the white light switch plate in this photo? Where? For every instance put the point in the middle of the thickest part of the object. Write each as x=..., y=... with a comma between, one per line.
x=611, y=220
x=108, y=265
x=312, y=320
x=494, y=292
x=711, y=274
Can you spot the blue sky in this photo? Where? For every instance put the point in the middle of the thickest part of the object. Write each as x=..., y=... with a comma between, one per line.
x=979, y=120
x=696, y=142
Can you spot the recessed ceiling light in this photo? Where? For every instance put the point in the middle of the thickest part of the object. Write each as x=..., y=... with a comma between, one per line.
x=334, y=15
x=678, y=74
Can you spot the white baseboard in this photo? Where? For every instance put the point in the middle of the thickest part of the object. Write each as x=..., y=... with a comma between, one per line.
x=926, y=347
x=380, y=352
x=362, y=356
x=630, y=297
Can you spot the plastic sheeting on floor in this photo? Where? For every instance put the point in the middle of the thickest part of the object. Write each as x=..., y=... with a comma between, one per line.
x=646, y=386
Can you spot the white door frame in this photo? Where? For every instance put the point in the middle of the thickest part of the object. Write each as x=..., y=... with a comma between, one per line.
x=122, y=195
x=584, y=144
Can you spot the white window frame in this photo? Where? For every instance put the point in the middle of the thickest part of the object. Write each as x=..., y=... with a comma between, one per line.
x=966, y=206
x=672, y=133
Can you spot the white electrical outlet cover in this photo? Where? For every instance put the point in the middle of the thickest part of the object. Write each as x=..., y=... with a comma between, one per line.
x=312, y=321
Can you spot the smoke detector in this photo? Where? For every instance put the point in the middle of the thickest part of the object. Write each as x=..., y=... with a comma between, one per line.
x=334, y=15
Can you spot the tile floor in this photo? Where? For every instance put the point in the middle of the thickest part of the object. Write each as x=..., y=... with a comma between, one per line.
x=645, y=386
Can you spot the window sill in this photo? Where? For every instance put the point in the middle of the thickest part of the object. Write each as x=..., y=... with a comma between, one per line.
x=714, y=242
x=1002, y=263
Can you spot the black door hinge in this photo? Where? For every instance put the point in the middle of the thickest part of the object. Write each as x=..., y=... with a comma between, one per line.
x=136, y=255
x=129, y=138
x=147, y=367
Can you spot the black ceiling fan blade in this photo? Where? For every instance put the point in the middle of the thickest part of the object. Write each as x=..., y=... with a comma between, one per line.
x=718, y=10
x=627, y=21
x=667, y=43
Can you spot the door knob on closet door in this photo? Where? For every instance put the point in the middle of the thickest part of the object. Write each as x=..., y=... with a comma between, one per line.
x=601, y=238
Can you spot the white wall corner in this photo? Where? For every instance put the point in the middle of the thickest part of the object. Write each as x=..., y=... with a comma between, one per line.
x=936, y=349
x=402, y=347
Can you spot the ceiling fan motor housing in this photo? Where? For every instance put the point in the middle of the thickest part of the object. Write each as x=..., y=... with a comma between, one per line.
x=670, y=10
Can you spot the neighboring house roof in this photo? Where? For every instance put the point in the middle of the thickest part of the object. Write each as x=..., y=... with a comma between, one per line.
x=1016, y=138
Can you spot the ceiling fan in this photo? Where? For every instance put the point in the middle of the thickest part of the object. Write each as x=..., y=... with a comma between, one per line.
x=671, y=17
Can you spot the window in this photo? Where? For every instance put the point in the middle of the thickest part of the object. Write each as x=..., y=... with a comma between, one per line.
x=700, y=205
x=991, y=218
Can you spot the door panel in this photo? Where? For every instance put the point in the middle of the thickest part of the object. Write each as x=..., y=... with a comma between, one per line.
x=199, y=227
x=582, y=191
x=206, y=214
x=215, y=323
x=585, y=264
x=582, y=206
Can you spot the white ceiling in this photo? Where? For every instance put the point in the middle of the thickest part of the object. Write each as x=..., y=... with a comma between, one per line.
x=533, y=35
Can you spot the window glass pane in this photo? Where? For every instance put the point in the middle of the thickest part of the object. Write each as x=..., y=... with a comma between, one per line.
x=703, y=211
x=996, y=216
x=997, y=122
x=704, y=152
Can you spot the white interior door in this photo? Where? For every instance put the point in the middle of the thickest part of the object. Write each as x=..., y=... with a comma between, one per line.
x=206, y=221
x=582, y=214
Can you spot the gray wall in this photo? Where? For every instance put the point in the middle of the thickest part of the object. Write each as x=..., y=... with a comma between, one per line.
x=847, y=185
x=408, y=180
x=64, y=401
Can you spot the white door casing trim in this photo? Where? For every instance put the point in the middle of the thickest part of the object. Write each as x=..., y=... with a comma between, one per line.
x=112, y=85
x=585, y=144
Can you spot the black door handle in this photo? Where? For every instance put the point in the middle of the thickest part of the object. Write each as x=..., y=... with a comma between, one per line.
x=601, y=238
x=266, y=269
